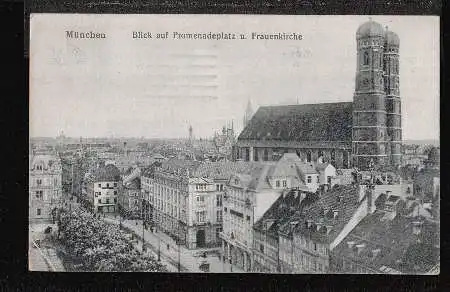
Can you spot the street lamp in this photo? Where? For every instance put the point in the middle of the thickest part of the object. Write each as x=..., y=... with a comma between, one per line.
x=143, y=222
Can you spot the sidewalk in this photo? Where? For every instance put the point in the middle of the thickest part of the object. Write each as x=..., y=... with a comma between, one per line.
x=169, y=249
x=43, y=258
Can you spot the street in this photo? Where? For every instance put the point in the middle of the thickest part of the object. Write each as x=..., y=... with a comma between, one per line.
x=170, y=253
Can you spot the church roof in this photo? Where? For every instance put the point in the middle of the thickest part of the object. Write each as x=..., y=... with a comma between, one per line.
x=307, y=122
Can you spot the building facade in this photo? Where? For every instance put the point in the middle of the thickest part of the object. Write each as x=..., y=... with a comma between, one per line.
x=45, y=186
x=345, y=134
x=187, y=199
x=377, y=129
x=103, y=189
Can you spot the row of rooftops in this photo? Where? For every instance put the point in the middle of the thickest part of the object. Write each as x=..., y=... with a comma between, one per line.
x=403, y=244
x=245, y=174
x=317, y=217
x=400, y=244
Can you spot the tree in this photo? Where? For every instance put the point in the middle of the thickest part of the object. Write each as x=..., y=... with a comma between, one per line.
x=101, y=246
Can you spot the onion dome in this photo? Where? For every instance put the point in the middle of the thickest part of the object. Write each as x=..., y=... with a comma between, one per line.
x=370, y=29
x=107, y=173
x=392, y=39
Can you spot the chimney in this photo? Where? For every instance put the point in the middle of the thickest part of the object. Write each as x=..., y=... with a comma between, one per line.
x=335, y=214
x=318, y=225
x=375, y=252
x=302, y=196
x=350, y=244
x=417, y=227
x=360, y=247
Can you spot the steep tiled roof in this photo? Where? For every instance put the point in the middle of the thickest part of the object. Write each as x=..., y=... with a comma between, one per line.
x=284, y=210
x=254, y=180
x=107, y=173
x=174, y=164
x=134, y=184
x=392, y=244
x=224, y=169
x=308, y=122
x=334, y=209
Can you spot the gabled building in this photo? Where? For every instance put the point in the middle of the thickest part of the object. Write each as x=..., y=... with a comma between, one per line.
x=103, y=189
x=272, y=233
x=250, y=195
x=130, y=199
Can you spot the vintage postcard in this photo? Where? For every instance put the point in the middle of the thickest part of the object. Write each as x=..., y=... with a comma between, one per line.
x=234, y=144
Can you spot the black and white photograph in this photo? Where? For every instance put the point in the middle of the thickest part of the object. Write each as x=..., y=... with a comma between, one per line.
x=273, y=144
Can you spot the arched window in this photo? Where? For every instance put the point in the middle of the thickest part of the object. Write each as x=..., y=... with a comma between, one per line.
x=366, y=58
x=308, y=156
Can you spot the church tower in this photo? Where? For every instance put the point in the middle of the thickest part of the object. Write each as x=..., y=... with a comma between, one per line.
x=393, y=102
x=248, y=114
x=369, y=100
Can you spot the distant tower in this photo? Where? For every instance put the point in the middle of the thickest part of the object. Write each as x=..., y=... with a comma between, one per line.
x=190, y=134
x=248, y=113
x=369, y=109
x=393, y=102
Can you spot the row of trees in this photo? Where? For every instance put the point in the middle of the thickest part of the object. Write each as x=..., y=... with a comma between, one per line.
x=100, y=246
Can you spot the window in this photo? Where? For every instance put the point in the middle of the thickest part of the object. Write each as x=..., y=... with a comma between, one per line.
x=38, y=212
x=115, y=200
x=309, y=179
x=201, y=216
x=99, y=185
x=219, y=215
x=365, y=58
x=266, y=155
x=315, y=246
x=329, y=180
x=115, y=192
x=39, y=182
x=284, y=183
x=219, y=200
x=39, y=195
x=99, y=201
x=308, y=156
x=261, y=248
x=277, y=183
x=107, y=200
x=115, y=184
x=217, y=187
x=318, y=180
x=221, y=187
x=218, y=230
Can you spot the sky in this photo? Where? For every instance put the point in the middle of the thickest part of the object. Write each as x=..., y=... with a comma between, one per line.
x=156, y=88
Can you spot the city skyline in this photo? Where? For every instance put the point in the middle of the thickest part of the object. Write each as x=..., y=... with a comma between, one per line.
x=86, y=93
